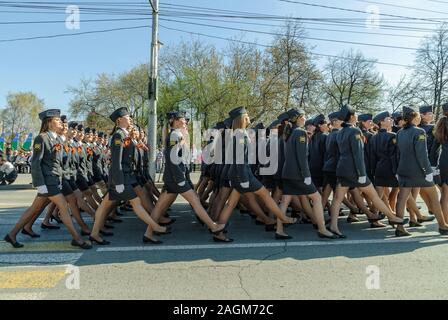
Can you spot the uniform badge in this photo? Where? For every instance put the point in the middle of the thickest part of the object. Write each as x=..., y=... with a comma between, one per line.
x=302, y=139
x=57, y=147
x=37, y=146
x=394, y=141
x=117, y=142
x=127, y=142
x=422, y=137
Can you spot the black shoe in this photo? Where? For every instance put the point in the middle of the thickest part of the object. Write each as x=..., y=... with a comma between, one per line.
x=405, y=221
x=426, y=219
x=101, y=243
x=226, y=240
x=400, y=233
x=119, y=214
x=57, y=219
x=323, y=236
x=339, y=235
x=14, y=244
x=108, y=226
x=164, y=224
x=374, y=226
x=168, y=231
x=83, y=233
x=413, y=224
x=295, y=214
x=352, y=220
x=270, y=227
x=51, y=227
x=83, y=245
x=282, y=237
x=149, y=240
x=259, y=223
x=116, y=220
x=219, y=231
x=381, y=216
x=443, y=232
x=106, y=233
x=32, y=235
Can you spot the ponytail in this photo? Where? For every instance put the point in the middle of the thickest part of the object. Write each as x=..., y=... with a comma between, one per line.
x=441, y=130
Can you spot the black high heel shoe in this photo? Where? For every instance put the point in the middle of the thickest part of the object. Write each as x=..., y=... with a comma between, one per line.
x=282, y=237
x=324, y=236
x=164, y=224
x=57, y=219
x=381, y=216
x=83, y=245
x=101, y=243
x=106, y=233
x=339, y=235
x=226, y=240
x=14, y=244
x=402, y=223
x=152, y=241
x=108, y=226
x=167, y=231
x=32, y=235
x=44, y=226
x=401, y=233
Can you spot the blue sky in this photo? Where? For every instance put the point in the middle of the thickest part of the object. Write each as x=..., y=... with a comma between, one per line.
x=48, y=66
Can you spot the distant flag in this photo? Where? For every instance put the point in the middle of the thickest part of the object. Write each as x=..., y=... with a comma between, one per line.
x=15, y=142
x=27, y=144
x=2, y=142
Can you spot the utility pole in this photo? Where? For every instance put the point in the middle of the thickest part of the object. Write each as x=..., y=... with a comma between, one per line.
x=152, y=90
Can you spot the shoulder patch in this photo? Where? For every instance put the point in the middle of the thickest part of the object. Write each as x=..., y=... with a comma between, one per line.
x=117, y=142
x=421, y=137
x=358, y=137
x=37, y=146
x=394, y=141
x=302, y=139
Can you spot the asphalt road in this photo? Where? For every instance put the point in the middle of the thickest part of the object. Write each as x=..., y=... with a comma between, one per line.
x=370, y=264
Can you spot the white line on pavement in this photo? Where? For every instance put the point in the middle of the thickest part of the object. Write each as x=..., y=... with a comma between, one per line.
x=269, y=244
x=39, y=258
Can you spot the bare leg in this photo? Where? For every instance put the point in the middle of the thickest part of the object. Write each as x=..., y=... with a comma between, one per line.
x=434, y=205
x=71, y=199
x=272, y=206
x=335, y=207
x=64, y=213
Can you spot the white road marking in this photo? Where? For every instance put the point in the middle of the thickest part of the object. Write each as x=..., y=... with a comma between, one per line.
x=39, y=258
x=270, y=244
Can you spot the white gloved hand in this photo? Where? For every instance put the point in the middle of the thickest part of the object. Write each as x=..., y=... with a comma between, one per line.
x=244, y=185
x=181, y=184
x=429, y=177
x=396, y=176
x=435, y=171
x=307, y=181
x=42, y=189
x=362, y=180
x=60, y=186
x=119, y=188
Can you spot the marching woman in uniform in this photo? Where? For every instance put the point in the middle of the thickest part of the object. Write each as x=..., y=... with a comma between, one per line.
x=242, y=179
x=414, y=169
x=351, y=172
x=441, y=138
x=317, y=151
x=121, y=178
x=296, y=176
x=176, y=180
x=46, y=173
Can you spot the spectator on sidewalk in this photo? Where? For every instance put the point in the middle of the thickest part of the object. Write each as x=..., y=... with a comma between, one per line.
x=8, y=173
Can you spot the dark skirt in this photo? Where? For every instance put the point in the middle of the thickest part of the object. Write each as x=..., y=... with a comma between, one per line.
x=414, y=182
x=97, y=178
x=390, y=182
x=297, y=188
x=278, y=183
x=352, y=182
x=318, y=181
x=66, y=187
x=126, y=195
x=174, y=188
x=268, y=182
x=52, y=191
x=82, y=183
x=330, y=179
x=254, y=185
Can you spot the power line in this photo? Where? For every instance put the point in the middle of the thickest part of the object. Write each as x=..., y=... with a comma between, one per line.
x=303, y=37
x=269, y=46
x=400, y=6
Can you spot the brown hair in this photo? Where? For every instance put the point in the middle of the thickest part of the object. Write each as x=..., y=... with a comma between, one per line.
x=408, y=118
x=238, y=122
x=45, y=126
x=441, y=130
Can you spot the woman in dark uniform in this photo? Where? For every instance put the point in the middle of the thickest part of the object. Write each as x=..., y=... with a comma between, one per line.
x=441, y=138
x=176, y=179
x=351, y=171
x=296, y=176
x=122, y=179
x=242, y=179
x=46, y=173
x=414, y=169
x=317, y=151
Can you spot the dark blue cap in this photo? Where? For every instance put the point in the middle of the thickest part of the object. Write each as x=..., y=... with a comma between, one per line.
x=64, y=119
x=380, y=117
x=50, y=113
x=426, y=109
x=333, y=115
x=73, y=125
x=80, y=127
x=294, y=113
x=274, y=124
x=409, y=109
x=220, y=125
x=319, y=119
x=365, y=117
x=100, y=134
x=283, y=117
x=235, y=113
x=397, y=114
x=345, y=111
x=121, y=112
x=309, y=122
x=259, y=126
x=87, y=130
x=228, y=123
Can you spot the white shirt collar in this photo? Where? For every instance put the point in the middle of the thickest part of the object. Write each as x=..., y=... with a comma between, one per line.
x=125, y=131
x=52, y=134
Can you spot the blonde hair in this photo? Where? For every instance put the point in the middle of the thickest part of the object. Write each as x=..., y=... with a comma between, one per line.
x=238, y=122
